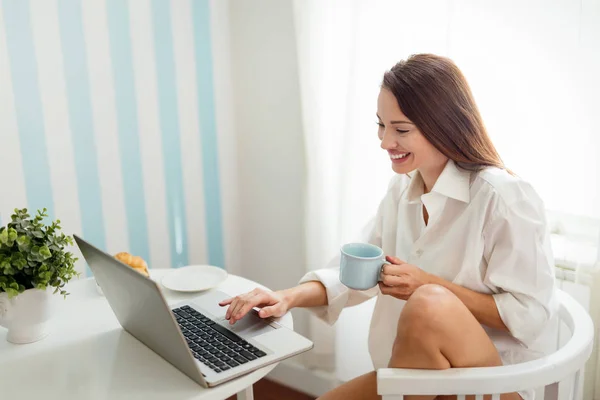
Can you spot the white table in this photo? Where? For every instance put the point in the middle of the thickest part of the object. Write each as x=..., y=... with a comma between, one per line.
x=89, y=356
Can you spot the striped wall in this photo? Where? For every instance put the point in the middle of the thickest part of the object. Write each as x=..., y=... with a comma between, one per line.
x=107, y=119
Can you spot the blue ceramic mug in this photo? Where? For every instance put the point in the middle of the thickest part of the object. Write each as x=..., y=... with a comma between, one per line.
x=360, y=265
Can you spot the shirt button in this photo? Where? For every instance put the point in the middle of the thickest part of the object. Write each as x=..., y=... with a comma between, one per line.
x=419, y=252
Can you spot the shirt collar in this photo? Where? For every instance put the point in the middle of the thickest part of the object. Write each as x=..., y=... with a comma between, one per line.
x=453, y=182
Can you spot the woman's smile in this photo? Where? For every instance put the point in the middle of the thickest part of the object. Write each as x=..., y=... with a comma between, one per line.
x=399, y=158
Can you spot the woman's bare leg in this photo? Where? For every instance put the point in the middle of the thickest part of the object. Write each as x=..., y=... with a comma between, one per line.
x=435, y=331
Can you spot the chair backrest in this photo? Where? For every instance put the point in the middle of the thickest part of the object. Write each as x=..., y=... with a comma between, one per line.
x=572, y=356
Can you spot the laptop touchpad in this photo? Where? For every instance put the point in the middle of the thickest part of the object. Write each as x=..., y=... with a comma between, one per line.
x=249, y=326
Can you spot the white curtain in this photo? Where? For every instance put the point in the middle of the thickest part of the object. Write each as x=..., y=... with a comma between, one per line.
x=534, y=69
x=341, y=142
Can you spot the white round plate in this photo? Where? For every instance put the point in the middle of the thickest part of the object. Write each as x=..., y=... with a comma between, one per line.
x=194, y=278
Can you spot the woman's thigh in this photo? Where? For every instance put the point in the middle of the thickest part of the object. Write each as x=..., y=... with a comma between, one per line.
x=437, y=331
x=433, y=322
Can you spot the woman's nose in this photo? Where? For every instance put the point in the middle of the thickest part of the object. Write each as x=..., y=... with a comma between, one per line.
x=388, y=142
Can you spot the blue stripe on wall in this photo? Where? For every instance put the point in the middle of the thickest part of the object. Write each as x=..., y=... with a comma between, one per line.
x=208, y=131
x=127, y=119
x=169, y=126
x=80, y=117
x=28, y=105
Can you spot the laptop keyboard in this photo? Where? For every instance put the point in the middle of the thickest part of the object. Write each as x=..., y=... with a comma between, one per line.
x=215, y=346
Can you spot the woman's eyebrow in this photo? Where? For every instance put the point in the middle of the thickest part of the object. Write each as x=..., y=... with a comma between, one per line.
x=396, y=122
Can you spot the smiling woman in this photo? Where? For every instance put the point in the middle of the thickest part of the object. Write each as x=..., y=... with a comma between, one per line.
x=469, y=275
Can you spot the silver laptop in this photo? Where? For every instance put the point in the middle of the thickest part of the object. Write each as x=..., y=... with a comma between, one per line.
x=193, y=335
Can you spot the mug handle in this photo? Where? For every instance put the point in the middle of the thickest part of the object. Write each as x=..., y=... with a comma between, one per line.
x=384, y=262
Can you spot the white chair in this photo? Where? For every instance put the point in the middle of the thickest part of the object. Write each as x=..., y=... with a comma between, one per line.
x=548, y=372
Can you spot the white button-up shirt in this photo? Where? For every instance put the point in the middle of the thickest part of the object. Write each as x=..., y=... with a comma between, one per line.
x=486, y=232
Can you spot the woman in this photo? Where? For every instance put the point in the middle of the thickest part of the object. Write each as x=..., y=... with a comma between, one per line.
x=470, y=276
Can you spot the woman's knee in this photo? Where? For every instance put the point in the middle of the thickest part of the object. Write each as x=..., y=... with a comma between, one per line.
x=425, y=310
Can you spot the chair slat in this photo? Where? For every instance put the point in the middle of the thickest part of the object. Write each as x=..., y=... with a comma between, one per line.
x=576, y=392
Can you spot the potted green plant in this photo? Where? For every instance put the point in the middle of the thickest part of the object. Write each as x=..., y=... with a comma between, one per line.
x=33, y=265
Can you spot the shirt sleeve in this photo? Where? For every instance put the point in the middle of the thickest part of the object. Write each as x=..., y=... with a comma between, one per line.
x=520, y=266
x=338, y=295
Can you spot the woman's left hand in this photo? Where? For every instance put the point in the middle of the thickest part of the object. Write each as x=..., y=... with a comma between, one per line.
x=400, y=279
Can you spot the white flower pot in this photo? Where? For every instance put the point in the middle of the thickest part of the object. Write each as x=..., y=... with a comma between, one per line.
x=26, y=315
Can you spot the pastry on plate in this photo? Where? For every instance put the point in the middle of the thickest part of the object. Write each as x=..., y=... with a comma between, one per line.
x=135, y=262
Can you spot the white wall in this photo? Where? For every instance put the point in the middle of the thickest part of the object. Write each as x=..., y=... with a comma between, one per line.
x=270, y=152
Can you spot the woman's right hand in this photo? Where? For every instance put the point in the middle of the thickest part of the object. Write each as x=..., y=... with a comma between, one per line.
x=272, y=304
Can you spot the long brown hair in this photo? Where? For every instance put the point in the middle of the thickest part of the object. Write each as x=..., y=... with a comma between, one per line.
x=433, y=93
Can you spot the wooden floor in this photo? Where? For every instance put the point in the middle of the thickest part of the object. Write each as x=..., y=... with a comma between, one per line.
x=269, y=390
